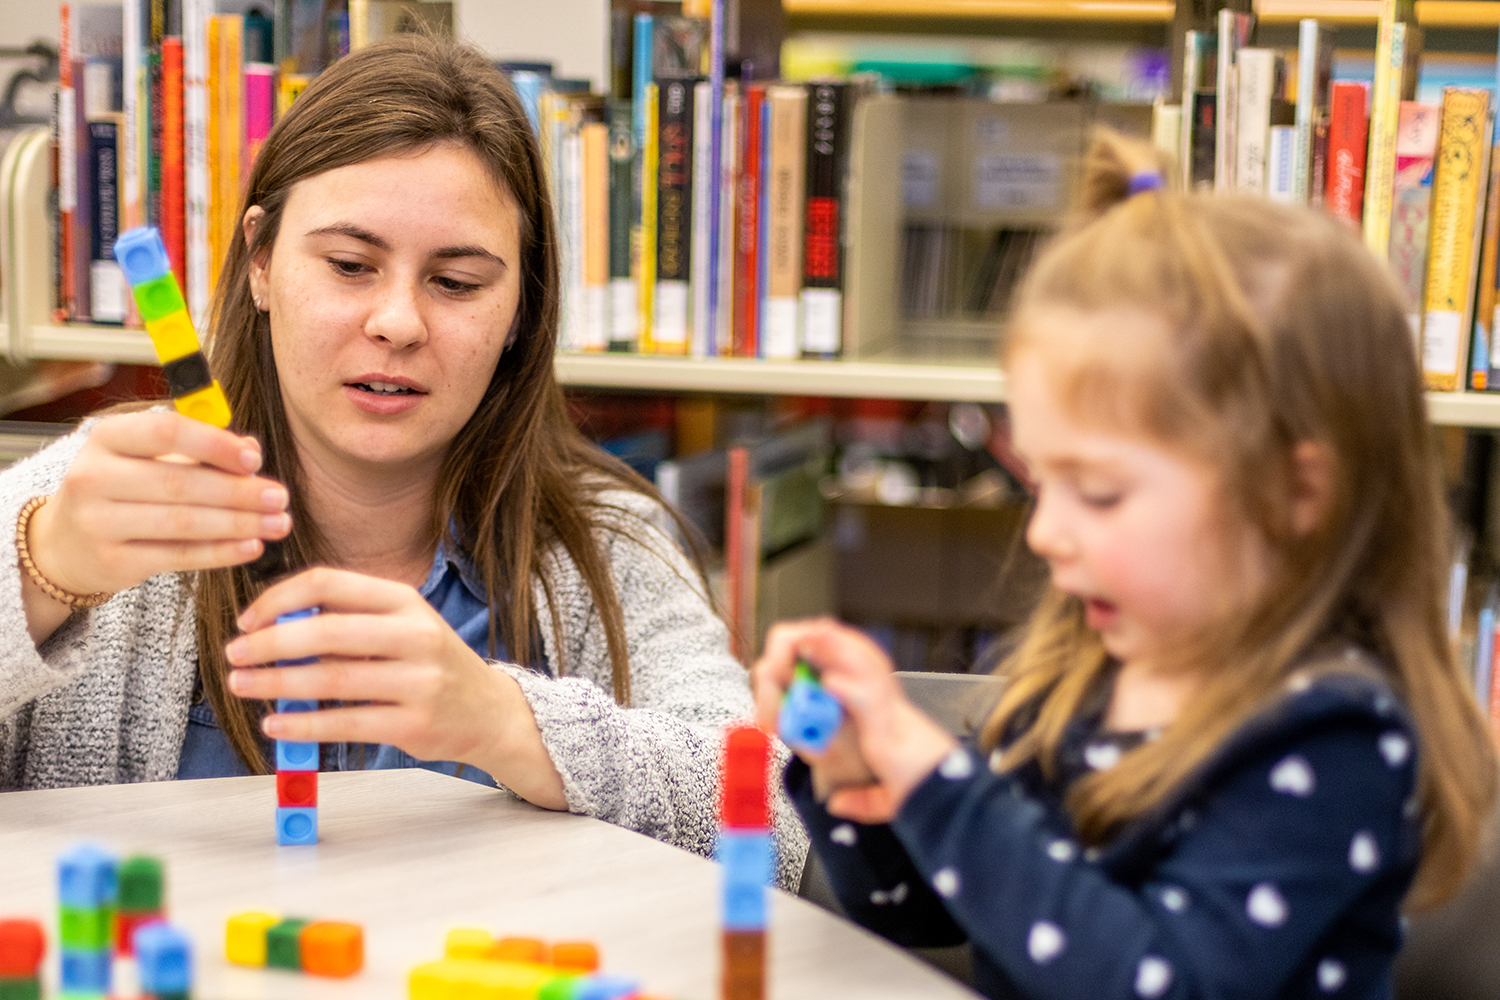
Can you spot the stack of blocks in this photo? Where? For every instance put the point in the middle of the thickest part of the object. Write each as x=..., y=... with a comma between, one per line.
x=22, y=944
x=475, y=966
x=810, y=716
x=140, y=895
x=296, y=767
x=87, y=891
x=744, y=852
x=143, y=258
x=320, y=947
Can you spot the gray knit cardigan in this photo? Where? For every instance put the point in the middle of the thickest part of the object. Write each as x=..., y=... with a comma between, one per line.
x=105, y=698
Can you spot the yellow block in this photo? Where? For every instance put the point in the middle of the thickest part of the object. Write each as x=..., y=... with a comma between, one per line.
x=468, y=942
x=245, y=937
x=207, y=405
x=474, y=979
x=173, y=336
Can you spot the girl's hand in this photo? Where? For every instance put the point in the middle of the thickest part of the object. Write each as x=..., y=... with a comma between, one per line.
x=898, y=743
x=408, y=679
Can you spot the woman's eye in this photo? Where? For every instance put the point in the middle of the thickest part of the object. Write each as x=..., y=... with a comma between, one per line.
x=347, y=268
x=1099, y=500
x=455, y=287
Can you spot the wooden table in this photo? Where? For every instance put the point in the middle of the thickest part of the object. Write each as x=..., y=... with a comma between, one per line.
x=409, y=855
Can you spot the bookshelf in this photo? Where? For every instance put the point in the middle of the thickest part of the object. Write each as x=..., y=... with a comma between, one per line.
x=1430, y=13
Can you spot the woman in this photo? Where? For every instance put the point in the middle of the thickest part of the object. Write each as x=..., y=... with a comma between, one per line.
x=497, y=595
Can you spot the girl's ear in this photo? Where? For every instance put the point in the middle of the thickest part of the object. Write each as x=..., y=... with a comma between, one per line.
x=258, y=286
x=1312, y=486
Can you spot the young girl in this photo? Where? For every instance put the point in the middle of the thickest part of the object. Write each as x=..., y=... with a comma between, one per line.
x=1234, y=736
x=499, y=598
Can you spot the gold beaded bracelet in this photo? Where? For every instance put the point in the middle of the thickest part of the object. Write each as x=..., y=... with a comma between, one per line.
x=46, y=586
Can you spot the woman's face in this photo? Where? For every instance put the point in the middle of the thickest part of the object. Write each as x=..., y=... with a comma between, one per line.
x=392, y=288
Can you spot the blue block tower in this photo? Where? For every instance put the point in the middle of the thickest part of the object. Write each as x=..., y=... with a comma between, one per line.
x=296, y=766
x=87, y=892
x=746, y=856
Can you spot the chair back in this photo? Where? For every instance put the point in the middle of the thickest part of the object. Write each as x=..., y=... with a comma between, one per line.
x=960, y=703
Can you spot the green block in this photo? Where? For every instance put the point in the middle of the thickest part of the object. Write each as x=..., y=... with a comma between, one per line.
x=140, y=884
x=284, y=944
x=12, y=988
x=85, y=928
x=561, y=988
x=158, y=297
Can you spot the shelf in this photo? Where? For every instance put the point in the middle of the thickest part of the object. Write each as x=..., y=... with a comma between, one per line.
x=1430, y=13
x=1151, y=11
x=82, y=342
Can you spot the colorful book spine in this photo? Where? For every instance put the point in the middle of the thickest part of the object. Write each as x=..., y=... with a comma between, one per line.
x=225, y=200
x=195, y=153
x=1258, y=83
x=823, y=247
x=1457, y=190
x=1395, y=81
x=135, y=110
x=260, y=108
x=1411, y=201
x=746, y=856
x=1281, y=163
x=107, y=290
x=785, y=203
x=670, y=330
x=728, y=199
x=1314, y=73
x=705, y=191
x=1348, y=135
x=1234, y=34
x=173, y=198
x=1205, y=129
x=1196, y=48
x=622, y=291
x=1485, y=358
x=594, y=142
x=67, y=157
x=646, y=279
x=747, y=240
x=643, y=111
x=717, y=301
x=83, y=191
x=213, y=124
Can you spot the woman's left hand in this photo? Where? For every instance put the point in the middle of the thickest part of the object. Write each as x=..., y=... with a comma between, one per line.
x=408, y=679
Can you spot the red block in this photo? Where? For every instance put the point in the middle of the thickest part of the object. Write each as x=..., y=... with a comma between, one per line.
x=125, y=926
x=21, y=946
x=297, y=788
x=747, y=757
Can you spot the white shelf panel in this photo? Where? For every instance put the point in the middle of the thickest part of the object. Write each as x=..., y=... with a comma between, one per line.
x=885, y=379
x=1464, y=409
x=90, y=343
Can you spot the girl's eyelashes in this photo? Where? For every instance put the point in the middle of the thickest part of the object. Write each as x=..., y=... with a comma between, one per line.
x=346, y=268
x=455, y=287
x=355, y=269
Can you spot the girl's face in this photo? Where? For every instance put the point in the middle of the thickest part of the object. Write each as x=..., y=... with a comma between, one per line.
x=392, y=287
x=1138, y=532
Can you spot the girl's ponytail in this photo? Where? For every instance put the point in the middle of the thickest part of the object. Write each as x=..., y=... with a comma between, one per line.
x=1116, y=168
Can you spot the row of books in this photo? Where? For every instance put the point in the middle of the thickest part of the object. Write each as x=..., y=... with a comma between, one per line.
x=1415, y=178
x=162, y=106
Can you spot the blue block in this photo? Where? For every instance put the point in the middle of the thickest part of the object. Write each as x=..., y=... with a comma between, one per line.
x=747, y=862
x=809, y=716
x=744, y=907
x=165, y=957
x=86, y=877
x=296, y=705
x=85, y=971
x=292, y=616
x=292, y=756
x=605, y=986
x=296, y=825
x=141, y=255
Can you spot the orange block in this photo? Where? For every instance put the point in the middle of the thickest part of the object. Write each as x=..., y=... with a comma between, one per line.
x=576, y=956
x=330, y=948
x=513, y=949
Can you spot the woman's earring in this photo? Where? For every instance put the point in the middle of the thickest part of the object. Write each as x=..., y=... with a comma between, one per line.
x=258, y=306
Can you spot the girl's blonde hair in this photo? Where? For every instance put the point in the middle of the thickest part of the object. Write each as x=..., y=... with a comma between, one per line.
x=1275, y=328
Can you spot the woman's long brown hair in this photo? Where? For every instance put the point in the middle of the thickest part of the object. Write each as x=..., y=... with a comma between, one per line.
x=519, y=480
x=1275, y=328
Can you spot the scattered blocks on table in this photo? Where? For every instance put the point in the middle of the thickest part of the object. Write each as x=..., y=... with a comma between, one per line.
x=22, y=944
x=477, y=967
x=575, y=956
x=165, y=958
x=297, y=789
x=284, y=944
x=331, y=948
x=518, y=949
x=456, y=978
x=295, y=826
x=245, y=937
x=468, y=942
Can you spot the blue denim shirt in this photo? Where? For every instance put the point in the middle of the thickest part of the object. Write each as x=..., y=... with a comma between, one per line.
x=453, y=588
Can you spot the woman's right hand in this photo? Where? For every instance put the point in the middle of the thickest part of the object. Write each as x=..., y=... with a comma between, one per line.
x=151, y=493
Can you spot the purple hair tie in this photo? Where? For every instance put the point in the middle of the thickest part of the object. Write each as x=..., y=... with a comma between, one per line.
x=1146, y=180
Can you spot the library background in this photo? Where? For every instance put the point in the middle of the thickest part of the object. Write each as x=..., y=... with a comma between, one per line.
x=787, y=262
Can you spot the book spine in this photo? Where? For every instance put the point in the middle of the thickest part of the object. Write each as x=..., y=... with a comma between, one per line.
x=107, y=289
x=704, y=192
x=195, y=153
x=1455, y=194
x=231, y=135
x=1411, y=201
x=1205, y=135
x=823, y=245
x=728, y=194
x=213, y=129
x=1234, y=34
x=156, y=35
x=747, y=241
x=786, y=203
x=763, y=236
x=1319, y=172
x=260, y=107
x=1254, y=91
x=173, y=205
x=596, y=249
x=622, y=294
x=1192, y=75
x=568, y=150
x=132, y=79
x=83, y=193
x=1309, y=95
x=1480, y=363
x=643, y=105
x=646, y=280
x=1391, y=83
x=1281, y=163
x=1348, y=134
x=674, y=217
x=67, y=172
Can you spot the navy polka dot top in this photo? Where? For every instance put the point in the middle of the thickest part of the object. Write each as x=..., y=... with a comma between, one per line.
x=1278, y=871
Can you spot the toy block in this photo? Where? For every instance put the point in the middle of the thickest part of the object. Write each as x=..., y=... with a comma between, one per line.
x=142, y=255
x=165, y=957
x=747, y=863
x=293, y=756
x=296, y=704
x=22, y=945
x=158, y=297
x=82, y=928
x=809, y=715
x=516, y=949
x=454, y=978
x=85, y=971
x=561, y=988
x=126, y=925
x=468, y=942
x=296, y=826
x=140, y=884
x=86, y=877
x=173, y=335
x=575, y=956
x=284, y=944
x=330, y=948
x=605, y=986
x=743, y=975
x=16, y=988
x=245, y=937
x=207, y=405
x=297, y=789
x=747, y=757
